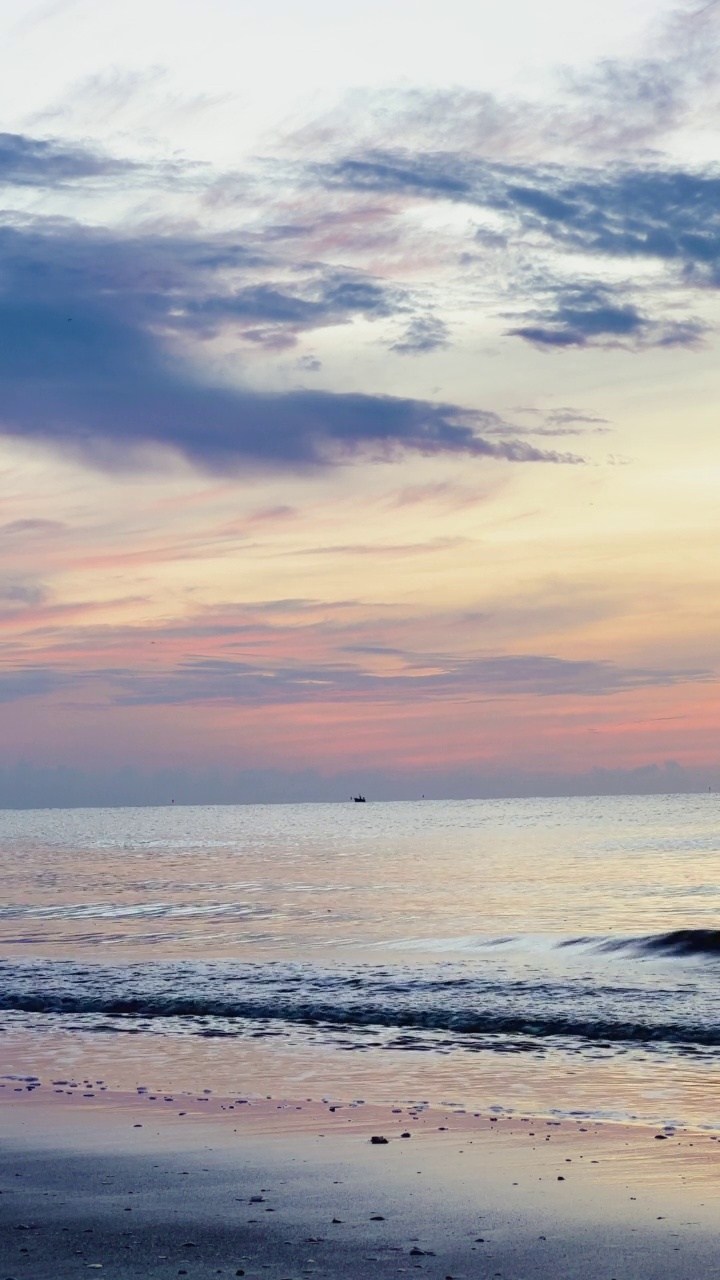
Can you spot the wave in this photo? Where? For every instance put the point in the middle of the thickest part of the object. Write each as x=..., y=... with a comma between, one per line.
x=446, y=1000
x=676, y=942
x=478, y=1023
x=684, y=942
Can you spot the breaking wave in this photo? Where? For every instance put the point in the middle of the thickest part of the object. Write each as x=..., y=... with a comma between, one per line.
x=677, y=942
x=597, y=1007
x=684, y=942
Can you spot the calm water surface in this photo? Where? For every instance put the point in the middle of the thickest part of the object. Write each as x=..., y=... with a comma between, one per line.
x=561, y=955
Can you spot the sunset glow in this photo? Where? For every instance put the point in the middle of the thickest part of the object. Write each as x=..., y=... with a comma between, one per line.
x=360, y=387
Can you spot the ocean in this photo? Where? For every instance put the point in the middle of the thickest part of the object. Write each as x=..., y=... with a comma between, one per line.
x=542, y=956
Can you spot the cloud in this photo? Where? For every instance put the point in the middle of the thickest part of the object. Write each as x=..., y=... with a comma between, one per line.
x=32, y=682
x=272, y=514
x=89, y=323
x=571, y=174
x=143, y=100
x=37, y=162
x=390, y=549
x=423, y=334
x=426, y=678
x=14, y=528
x=372, y=649
x=622, y=211
x=638, y=101
x=566, y=415
x=644, y=214
x=617, y=210
x=593, y=316
x=105, y=333
x=434, y=175
x=563, y=421
x=21, y=594
x=328, y=298
x=447, y=493
x=608, y=109
x=278, y=679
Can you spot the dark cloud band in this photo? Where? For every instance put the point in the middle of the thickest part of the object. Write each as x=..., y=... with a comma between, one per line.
x=89, y=323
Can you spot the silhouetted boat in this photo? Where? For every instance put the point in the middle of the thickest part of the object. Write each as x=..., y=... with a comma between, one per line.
x=359, y=799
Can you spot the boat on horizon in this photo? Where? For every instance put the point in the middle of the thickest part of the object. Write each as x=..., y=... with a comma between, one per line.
x=359, y=799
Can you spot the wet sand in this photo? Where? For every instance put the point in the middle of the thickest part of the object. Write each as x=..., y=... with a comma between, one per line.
x=166, y=1185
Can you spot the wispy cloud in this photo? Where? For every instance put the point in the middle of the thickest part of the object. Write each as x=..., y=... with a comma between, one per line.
x=641, y=215
x=423, y=334
x=613, y=107
x=294, y=651
x=627, y=211
x=33, y=682
x=426, y=678
x=20, y=594
x=29, y=527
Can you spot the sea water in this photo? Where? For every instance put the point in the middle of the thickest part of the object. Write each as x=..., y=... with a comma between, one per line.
x=559, y=956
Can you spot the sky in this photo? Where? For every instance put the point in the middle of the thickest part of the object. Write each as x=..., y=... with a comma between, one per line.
x=358, y=399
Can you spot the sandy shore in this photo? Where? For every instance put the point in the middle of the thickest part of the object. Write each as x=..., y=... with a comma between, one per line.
x=196, y=1185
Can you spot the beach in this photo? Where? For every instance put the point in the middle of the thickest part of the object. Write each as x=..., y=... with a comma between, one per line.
x=203, y=1186
x=207, y=1015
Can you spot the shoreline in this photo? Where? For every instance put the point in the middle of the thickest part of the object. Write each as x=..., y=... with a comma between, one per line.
x=200, y=1185
x=554, y=1086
